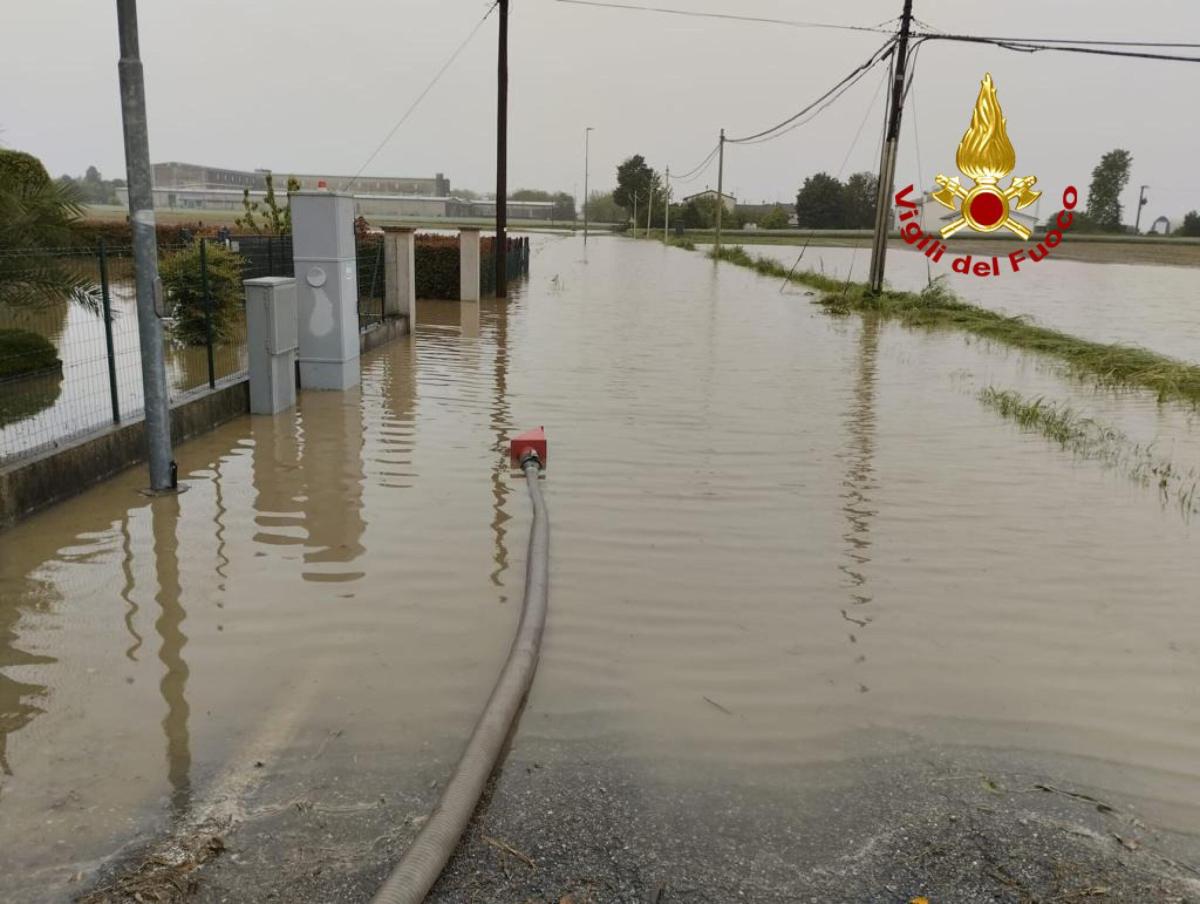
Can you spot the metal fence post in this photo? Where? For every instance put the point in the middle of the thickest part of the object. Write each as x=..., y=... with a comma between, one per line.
x=108, y=336
x=208, y=325
x=270, y=257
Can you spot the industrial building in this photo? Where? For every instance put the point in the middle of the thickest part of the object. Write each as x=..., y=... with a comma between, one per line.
x=373, y=206
x=195, y=176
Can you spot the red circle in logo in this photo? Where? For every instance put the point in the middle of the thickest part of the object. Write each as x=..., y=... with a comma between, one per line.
x=987, y=208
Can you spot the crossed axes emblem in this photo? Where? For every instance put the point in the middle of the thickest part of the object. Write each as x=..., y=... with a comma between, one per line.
x=987, y=218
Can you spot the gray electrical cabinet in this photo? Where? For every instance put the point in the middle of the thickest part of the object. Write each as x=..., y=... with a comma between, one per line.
x=327, y=288
x=272, y=340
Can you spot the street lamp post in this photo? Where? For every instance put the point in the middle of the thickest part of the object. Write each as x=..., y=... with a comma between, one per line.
x=587, y=137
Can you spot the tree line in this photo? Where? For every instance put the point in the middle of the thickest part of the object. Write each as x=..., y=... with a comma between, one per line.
x=826, y=202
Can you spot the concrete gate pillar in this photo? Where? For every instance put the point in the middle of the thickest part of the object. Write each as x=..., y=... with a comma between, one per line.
x=399, y=273
x=327, y=288
x=468, y=264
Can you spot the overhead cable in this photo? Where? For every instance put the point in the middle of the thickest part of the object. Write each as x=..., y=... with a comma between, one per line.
x=1024, y=46
x=420, y=97
x=699, y=170
x=694, y=14
x=821, y=102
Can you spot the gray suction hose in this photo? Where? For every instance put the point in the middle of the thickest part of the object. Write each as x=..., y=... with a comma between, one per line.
x=420, y=867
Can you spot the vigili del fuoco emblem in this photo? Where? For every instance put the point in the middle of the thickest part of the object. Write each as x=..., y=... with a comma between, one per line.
x=985, y=155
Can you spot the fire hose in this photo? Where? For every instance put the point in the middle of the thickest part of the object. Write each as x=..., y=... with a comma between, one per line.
x=425, y=859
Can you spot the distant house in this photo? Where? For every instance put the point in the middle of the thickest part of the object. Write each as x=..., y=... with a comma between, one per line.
x=729, y=200
x=755, y=212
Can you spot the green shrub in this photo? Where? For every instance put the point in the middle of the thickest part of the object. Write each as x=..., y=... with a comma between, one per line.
x=777, y=218
x=23, y=352
x=184, y=293
x=118, y=234
x=437, y=266
x=19, y=168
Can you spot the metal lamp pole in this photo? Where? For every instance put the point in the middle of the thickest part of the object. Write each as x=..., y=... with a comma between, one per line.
x=145, y=251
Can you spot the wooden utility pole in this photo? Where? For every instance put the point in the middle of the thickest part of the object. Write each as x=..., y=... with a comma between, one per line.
x=720, y=191
x=667, y=208
x=502, y=158
x=887, y=163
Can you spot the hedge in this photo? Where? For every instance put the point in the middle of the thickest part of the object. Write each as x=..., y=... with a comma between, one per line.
x=437, y=263
x=120, y=235
x=23, y=352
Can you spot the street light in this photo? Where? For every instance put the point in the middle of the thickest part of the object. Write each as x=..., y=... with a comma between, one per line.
x=587, y=136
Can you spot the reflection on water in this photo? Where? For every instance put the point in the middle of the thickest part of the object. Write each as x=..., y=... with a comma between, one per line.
x=858, y=484
x=330, y=474
x=754, y=504
x=18, y=700
x=169, y=625
x=501, y=426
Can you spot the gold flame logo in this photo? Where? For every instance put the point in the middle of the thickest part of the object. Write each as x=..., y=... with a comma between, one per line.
x=985, y=155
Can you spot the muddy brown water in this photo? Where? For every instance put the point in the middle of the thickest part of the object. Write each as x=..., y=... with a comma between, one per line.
x=780, y=540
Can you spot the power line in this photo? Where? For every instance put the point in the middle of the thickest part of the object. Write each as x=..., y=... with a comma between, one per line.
x=1080, y=41
x=698, y=171
x=887, y=77
x=791, y=23
x=821, y=102
x=1024, y=46
x=420, y=97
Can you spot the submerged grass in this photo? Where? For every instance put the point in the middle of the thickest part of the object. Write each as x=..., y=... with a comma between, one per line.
x=1090, y=439
x=938, y=308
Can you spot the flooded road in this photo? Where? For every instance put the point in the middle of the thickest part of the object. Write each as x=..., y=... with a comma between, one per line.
x=1154, y=306
x=782, y=542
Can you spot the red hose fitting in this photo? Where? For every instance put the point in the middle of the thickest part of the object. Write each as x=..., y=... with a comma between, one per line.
x=531, y=441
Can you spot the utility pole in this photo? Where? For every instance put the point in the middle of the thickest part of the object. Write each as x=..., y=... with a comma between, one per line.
x=587, y=138
x=720, y=191
x=1142, y=202
x=635, y=214
x=502, y=157
x=650, y=206
x=887, y=164
x=145, y=251
x=667, y=209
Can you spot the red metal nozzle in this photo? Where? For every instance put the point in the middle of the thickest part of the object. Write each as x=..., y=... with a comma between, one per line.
x=532, y=441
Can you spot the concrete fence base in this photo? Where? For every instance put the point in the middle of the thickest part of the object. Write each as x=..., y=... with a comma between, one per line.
x=32, y=484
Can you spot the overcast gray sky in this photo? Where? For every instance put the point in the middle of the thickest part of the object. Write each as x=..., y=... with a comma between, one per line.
x=310, y=85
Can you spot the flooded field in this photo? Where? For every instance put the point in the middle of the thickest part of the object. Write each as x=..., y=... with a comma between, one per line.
x=785, y=545
x=1150, y=305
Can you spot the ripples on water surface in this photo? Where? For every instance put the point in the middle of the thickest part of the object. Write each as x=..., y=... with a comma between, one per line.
x=779, y=538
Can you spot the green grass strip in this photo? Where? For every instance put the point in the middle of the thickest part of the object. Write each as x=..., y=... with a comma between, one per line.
x=938, y=308
x=1089, y=438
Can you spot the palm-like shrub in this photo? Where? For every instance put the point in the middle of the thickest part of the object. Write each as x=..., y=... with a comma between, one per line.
x=36, y=215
